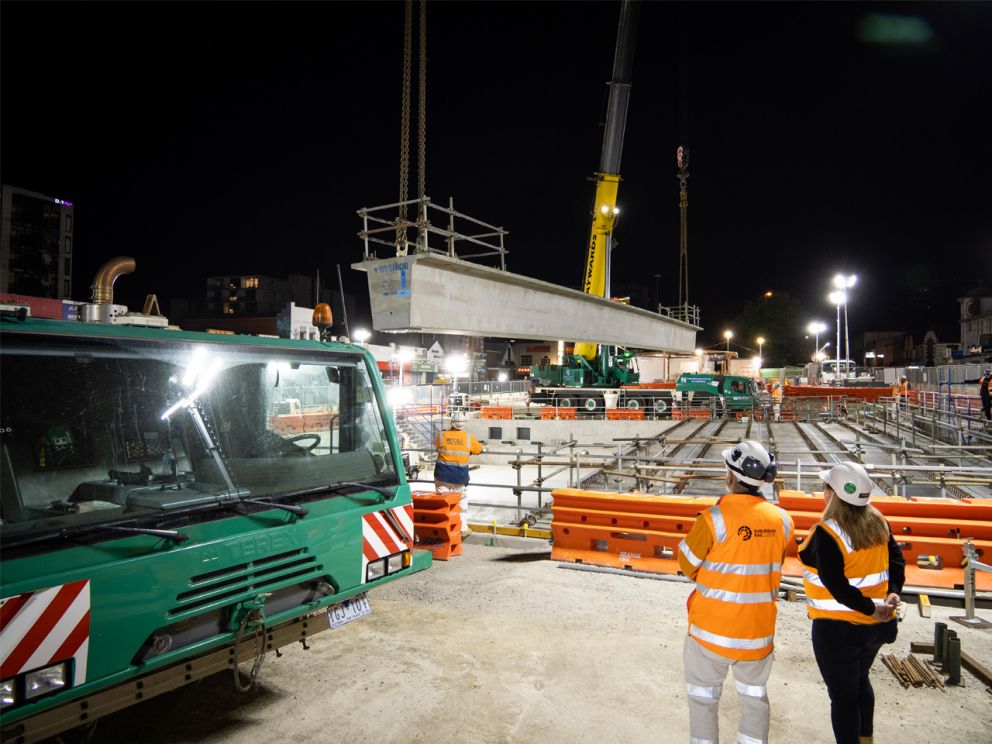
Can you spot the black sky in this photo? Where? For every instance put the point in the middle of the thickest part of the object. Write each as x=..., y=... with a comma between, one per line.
x=212, y=138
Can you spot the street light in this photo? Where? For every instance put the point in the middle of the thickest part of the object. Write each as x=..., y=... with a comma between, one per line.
x=816, y=328
x=844, y=283
x=761, y=342
x=838, y=298
x=728, y=335
x=455, y=365
x=403, y=356
x=361, y=335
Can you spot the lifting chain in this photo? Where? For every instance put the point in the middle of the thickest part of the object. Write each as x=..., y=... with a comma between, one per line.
x=405, y=127
x=422, y=106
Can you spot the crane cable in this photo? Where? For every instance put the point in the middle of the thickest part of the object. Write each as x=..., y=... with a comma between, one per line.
x=405, y=106
x=405, y=126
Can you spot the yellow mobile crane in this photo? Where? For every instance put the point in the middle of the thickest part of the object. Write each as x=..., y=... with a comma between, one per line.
x=583, y=378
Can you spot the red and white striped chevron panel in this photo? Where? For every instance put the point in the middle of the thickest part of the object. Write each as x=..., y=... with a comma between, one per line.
x=44, y=627
x=379, y=538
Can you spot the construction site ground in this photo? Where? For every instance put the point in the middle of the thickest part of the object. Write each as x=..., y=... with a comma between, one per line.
x=502, y=644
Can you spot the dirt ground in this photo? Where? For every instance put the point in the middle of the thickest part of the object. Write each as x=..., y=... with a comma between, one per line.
x=504, y=645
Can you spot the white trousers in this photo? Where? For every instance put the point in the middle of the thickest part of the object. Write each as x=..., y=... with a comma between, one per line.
x=463, y=501
x=705, y=672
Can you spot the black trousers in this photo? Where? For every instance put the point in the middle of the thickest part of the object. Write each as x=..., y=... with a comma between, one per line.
x=845, y=652
x=987, y=407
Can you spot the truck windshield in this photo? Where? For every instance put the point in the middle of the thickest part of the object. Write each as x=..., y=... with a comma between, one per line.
x=109, y=429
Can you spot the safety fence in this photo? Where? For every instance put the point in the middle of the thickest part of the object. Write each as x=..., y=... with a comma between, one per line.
x=643, y=533
x=437, y=523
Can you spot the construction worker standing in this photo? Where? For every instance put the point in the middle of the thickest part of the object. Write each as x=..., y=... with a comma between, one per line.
x=454, y=447
x=734, y=554
x=985, y=392
x=777, y=400
x=853, y=572
x=903, y=391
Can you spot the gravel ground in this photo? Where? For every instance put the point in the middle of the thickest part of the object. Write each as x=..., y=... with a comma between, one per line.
x=504, y=645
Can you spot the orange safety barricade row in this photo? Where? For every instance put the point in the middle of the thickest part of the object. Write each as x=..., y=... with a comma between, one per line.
x=497, y=412
x=642, y=533
x=691, y=413
x=437, y=523
x=556, y=413
x=624, y=414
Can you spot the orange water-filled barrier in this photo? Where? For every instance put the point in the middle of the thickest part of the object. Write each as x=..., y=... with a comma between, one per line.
x=437, y=523
x=643, y=532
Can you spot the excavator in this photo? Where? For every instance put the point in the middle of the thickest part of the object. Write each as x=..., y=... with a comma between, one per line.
x=594, y=370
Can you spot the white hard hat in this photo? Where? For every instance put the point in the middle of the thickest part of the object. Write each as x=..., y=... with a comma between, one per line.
x=457, y=421
x=850, y=481
x=750, y=463
x=778, y=384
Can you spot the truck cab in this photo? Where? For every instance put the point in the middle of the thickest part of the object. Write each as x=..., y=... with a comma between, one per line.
x=733, y=392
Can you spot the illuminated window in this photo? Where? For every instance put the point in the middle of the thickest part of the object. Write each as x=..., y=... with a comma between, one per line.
x=248, y=282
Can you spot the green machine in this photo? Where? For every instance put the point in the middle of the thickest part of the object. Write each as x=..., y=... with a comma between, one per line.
x=176, y=503
x=726, y=392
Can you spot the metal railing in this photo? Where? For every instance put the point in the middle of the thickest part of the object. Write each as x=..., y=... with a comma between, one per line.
x=378, y=226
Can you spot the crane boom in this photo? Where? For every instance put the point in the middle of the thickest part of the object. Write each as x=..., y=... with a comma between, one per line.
x=596, y=280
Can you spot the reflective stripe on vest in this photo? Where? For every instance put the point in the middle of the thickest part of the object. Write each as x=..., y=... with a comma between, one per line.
x=728, y=642
x=685, y=550
x=867, y=570
x=732, y=611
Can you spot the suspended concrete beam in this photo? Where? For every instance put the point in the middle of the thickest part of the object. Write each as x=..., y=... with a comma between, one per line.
x=432, y=293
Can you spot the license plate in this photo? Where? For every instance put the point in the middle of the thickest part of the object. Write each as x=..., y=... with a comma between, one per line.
x=350, y=609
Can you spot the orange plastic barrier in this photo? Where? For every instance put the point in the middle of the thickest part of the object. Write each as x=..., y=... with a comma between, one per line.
x=555, y=413
x=497, y=412
x=624, y=414
x=822, y=391
x=437, y=523
x=691, y=413
x=643, y=532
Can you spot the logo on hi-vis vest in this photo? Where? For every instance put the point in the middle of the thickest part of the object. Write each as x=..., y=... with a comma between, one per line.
x=746, y=533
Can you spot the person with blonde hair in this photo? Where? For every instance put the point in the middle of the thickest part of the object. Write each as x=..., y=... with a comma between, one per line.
x=853, y=573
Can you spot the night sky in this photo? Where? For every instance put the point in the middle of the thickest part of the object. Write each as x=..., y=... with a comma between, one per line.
x=208, y=139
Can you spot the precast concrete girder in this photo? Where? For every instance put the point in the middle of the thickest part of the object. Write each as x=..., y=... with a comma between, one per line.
x=433, y=293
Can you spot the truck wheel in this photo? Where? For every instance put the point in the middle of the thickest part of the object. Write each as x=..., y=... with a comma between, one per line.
x=592, y=404
x=660, y=407
x=634, y=404
x=564, y=403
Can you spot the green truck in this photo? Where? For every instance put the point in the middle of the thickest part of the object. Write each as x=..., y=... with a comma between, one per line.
x=721, y=393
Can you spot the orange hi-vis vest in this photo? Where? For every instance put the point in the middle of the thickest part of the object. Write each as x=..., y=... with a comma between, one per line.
x=866, y=570
x=454, y=446
x=733, y=608
x=777, y=394
x=904, y=389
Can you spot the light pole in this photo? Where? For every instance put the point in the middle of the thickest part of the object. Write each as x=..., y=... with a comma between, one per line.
x=816, y=328
x=761, y=342
x=728, y=335
x=403, y=356
x=838, y=298
x=844, y=283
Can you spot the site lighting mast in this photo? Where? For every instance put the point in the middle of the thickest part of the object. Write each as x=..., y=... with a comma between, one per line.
x=816, y=328
x=728, y=334
x=761, y=342
x=839, y=297
x=844, y=283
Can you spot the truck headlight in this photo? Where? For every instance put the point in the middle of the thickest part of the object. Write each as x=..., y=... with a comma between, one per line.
x=395, y=563
x=43, y=681
x=376, y=570
x=7, y=693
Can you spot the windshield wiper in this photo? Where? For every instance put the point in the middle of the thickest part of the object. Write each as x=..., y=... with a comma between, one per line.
x=67, y=533
x=291, y=508
x=385, y=493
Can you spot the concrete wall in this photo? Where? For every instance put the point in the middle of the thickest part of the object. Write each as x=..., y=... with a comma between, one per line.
x=587, y=433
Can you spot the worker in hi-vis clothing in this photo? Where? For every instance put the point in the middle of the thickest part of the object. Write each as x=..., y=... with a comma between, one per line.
x=454, y=447
x=777, y=400
x=734, y=554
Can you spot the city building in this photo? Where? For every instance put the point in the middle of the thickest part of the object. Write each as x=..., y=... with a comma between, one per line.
x=35, y=244
x=887, y=348
x=976, y=321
